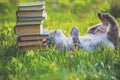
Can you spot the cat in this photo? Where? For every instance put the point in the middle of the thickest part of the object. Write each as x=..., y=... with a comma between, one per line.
x=106, y=32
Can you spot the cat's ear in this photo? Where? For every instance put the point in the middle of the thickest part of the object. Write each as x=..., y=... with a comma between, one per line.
x=59, y=32
x=52, y=32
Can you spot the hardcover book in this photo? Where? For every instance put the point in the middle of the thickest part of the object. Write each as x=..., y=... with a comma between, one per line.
x=36, y=7
x=34, y=47
x=32, y=4
x=30, y=42
x=34, y=37
x=25, y=29
x=31, y=12
x=28, y=18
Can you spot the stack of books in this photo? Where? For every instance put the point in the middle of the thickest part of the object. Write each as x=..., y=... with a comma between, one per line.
x=29, y=26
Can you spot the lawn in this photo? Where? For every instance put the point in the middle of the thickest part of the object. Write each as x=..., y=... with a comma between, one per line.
x=51, y=64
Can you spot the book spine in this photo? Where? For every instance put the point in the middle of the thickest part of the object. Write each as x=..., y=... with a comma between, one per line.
x=34, y=35
x=20, y=40
x=21, y=25
x=37, y=7
x=30, y=16
x=34, y=47
x=40, y=10
x=32, y=4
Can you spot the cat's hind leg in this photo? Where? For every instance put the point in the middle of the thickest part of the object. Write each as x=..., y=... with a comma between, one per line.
x=113, y=33
x=75, y=37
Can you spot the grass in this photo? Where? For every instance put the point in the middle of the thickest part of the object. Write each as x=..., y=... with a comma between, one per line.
x=52, y=65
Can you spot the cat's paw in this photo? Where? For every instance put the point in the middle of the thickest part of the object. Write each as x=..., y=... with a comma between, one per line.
x=107, y=16
x=99, y=14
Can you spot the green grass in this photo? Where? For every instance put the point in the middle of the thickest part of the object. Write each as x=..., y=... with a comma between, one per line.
x=52, y=65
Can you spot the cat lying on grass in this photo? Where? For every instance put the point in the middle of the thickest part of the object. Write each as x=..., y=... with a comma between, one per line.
x=106, y=33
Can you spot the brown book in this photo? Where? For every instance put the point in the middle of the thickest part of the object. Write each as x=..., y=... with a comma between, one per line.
x=34, y=47
x=31, y=12
x=34, y=37
x=30, y=42
x=36, y=7
x=22, y=22
x=28, y=18
x=24, y=29
x=32, y=4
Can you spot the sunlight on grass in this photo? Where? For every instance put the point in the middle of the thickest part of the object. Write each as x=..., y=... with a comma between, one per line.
x=51, y=64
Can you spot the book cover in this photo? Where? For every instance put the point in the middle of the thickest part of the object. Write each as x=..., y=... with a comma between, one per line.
x=32, y=3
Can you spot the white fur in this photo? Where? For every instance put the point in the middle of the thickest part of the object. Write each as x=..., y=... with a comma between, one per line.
x=91, y=42
x=101, y=29
x=61, y=41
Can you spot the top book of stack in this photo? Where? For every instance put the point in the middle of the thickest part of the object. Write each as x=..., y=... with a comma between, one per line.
x=32, y=6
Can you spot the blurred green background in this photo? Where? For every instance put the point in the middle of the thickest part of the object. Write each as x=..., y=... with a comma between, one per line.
x=50, y=65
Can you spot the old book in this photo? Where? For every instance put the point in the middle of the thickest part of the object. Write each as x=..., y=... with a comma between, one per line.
x=22, y=22
x=34, y=36
x=31, y=12
x=36, y=7
x=32, y=6
x=26, y=21
x=30, y=42
x=24, y=18
x=32, y=3
x=34, y=47
x=24, y=29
